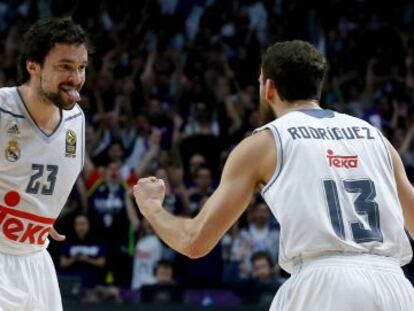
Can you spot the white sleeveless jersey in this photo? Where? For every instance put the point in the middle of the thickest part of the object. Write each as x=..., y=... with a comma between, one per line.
x=37, y=172
x=333, y=190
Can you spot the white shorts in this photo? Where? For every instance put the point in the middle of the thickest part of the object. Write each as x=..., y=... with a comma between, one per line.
x=346, y=283
x=28, y=283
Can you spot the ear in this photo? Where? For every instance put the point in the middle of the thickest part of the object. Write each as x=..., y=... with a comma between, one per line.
x=32, y=67
x=270, y=90
x=271, y=93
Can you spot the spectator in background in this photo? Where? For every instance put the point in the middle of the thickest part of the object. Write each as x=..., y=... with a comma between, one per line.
x=145, y=149
x=159, y=118
x=84, y=256
x=203, y=187
x=204, y=272
x=76, y=204
x=116, y=153
x=202, y=140
x=258, y=235
x=194, y=162
x=148, y=252
x=164, y=290
x=164, y=273
x=264, y=281
x=230, y=267
x=115, y=219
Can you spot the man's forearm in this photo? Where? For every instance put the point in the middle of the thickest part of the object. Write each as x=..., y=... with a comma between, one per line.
x=177, y=232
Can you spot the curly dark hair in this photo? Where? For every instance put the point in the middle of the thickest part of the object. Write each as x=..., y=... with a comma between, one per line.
x=41, y=38
x=297, y=69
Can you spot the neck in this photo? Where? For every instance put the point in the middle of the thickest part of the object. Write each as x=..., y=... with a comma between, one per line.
x=297, y=105
x=44, y=113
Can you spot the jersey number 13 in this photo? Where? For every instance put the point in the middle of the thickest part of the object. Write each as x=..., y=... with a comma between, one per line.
x=363, y=205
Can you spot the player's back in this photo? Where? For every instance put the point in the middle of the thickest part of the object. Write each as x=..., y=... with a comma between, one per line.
x=333, y=190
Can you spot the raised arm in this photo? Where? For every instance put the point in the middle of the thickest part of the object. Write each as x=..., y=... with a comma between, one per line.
x=405, y=190
x=251, y=163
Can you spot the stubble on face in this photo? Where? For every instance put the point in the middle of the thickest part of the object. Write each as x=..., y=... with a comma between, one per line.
x=266, y=113
x=55, y=98
x=63, y=75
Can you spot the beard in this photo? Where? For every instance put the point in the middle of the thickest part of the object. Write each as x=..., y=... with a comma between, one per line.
x=266, y=113
x=56, y=98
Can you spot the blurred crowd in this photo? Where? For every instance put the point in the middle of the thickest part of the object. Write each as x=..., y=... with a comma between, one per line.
x=171, y=88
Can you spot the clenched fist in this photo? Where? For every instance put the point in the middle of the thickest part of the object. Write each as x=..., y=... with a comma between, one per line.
x=149, y=192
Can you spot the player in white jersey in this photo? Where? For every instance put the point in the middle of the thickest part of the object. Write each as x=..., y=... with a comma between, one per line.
x=336, y=186
x=42, y=142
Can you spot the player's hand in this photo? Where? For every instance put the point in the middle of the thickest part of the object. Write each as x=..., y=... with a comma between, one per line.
x=149, y=192
x=56, y=236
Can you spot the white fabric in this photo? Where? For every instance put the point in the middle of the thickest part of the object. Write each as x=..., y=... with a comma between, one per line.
x=311, y=145
x=28, y=283
x=147, y=253
x=40, y=168
x=346, y=283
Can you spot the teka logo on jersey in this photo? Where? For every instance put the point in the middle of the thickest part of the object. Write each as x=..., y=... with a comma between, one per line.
x=341, y=161
x=21, y=226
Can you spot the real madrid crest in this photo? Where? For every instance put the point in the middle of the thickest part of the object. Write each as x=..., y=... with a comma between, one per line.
x=70, y=147
x=12, y=151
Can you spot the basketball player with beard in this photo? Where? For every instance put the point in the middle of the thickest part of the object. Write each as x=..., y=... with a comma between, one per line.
x=42, y=142
x=336, y=185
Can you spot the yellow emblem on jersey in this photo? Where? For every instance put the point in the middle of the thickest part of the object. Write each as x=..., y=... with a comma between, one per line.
x=12, y=151
x=70, y=148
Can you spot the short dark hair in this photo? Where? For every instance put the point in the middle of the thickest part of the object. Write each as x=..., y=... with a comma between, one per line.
x=297, y=68
x=164, y=263
x=41, y=38
x=262, y=255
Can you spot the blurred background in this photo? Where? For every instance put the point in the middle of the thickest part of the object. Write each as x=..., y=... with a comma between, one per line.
x=171, y=88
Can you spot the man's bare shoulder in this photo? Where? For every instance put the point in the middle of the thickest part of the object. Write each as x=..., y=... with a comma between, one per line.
x=255, y=144
x=258, y=153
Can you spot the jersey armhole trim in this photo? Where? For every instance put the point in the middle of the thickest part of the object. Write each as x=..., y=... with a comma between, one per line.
x=279, y=158
x=83, y=139
x=386, y=150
